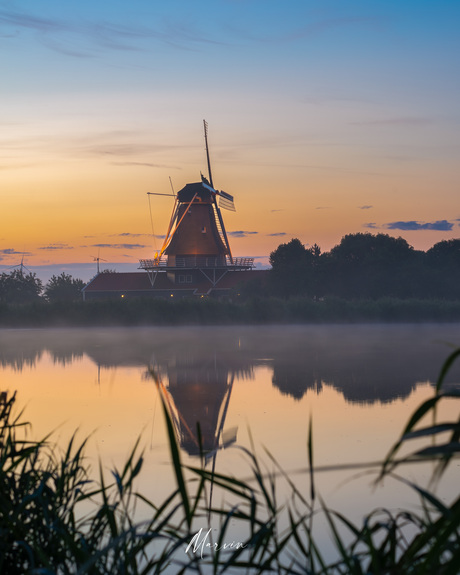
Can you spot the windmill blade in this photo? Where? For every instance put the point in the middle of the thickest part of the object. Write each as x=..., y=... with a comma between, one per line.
x=98, y=259
x=228, y=439
x=207, y=185
x=226, y=201
x=21, y=266
x=229, y=436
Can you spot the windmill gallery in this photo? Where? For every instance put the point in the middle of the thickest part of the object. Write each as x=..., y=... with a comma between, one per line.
x=195, y=259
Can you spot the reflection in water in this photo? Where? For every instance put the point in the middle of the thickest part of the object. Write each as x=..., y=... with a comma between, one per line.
x=358, y=382
x=367, y=363
x=197, y=399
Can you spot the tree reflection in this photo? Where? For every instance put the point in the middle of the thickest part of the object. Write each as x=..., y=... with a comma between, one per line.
x=366, y=363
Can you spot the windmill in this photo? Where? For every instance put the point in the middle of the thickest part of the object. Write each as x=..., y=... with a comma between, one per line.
x=21, y=267
x=196, y=238
x=204, y=233
x=98, y=259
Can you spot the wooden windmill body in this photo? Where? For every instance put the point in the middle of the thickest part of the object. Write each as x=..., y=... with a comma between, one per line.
x=196, y=245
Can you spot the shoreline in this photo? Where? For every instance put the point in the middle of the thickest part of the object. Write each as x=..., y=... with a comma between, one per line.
x=254, y=311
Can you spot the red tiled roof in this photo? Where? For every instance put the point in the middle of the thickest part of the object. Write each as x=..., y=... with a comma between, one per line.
x=139, y=281
x=113, y=281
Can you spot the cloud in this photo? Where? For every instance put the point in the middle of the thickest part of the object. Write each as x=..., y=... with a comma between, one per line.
x=398, y=121
x=119, y=246
x=56, y=247
x=21, y=20
x=277, y=234
x=82, y=38
x=145, y=164
x=412, y=225
x=128, y=235
x=12, y=251
x=365, y=207
x=241, y=234
x=277, y=34
x=323, y=208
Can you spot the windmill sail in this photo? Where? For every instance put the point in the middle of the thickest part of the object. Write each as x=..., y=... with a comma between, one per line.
x=226, y=202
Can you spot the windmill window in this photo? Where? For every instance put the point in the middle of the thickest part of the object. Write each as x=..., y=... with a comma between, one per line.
x=185, y=278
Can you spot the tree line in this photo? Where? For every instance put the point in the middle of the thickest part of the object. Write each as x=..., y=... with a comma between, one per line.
x=361, y=266
x=18, y=287
x=366, y=266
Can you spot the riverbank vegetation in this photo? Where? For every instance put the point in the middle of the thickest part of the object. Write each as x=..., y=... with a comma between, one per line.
x=254, y=309
x=55, y=519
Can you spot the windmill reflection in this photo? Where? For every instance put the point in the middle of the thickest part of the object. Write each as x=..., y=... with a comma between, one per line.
x=197, y=397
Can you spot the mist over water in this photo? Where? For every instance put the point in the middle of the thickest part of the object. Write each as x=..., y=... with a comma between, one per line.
x=366, y=363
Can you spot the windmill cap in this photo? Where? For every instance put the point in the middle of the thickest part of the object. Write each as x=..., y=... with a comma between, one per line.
x=202, y=192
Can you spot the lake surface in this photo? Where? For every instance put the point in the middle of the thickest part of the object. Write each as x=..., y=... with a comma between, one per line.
x=358, y=383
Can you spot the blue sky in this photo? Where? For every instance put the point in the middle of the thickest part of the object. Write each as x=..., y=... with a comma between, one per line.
x=325, y=118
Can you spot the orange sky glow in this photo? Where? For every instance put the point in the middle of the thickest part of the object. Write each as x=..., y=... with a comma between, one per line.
x=322, y=122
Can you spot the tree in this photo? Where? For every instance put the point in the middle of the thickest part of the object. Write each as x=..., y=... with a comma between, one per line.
x=292, y=268
x=17, y=287
x=367, y=265
x=445, y=253
x=63, y=288
x=443, y=263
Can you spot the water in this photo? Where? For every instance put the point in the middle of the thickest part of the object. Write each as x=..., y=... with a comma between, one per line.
x=358, y=383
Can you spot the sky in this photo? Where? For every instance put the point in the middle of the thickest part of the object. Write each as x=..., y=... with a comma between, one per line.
x=325, y=118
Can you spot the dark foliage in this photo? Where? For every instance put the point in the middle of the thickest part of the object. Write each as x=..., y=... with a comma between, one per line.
x=295, y=269
x=254, y=310
x=17, y=287
x=63, y=288
x=367, y=266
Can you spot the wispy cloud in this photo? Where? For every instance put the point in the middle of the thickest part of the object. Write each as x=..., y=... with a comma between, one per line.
x=397, y=121
x=323, y=208
x=83, y=38
x=277, y=234
x=51, y=247
x=118, y=246
x=12, y=251
x=146, y=165
x=370, y=225
x=37, y=23
x=128, y=235
x=277, y=35
x=241, y=234
x=365, y=207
